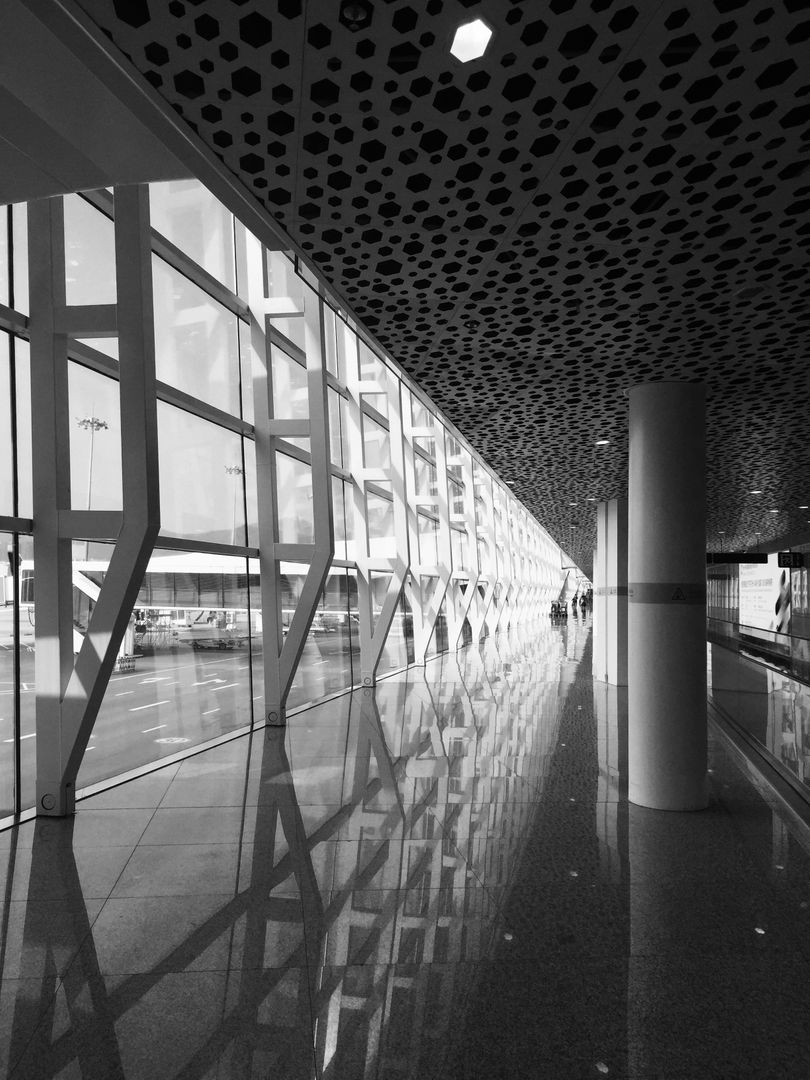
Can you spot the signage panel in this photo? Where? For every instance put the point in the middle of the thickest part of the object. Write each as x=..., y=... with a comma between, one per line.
x=765, y=596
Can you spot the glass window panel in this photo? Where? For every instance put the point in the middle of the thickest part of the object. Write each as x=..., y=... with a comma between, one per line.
x=460, y=547
x=347, y=349
x=398, y=648
x=95, y=440
x=380, y=523
x=292, y=327
x=455, y=494
x=425, y=477
x=250, y=367
x=337, y=433
x=330, y=329
x=22, y=368
x=343, y=516
x=6, y=406
x=196, y=340
x=108, y=346
x=370, y=367
x=376, y=448
x=89, y=254
x=379, y=402
x=428, y=539
x=326, y=662
x=249, y=448
x=4, y=240
x=195, y=221
x=182, y=677
x=20, y=246
x=283, y=282
x=421, y=416
x=439, y=641
x=8, y=618
x=199, y=497
x=294, y=482
x=290, y=400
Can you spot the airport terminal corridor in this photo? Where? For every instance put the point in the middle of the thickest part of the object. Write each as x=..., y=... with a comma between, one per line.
x=441, y=877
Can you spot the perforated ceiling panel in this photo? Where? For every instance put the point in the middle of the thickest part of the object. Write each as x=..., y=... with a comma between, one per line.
x=615, y=193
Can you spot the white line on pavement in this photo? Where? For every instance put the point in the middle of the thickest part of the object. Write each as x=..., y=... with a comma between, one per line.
x=209, y=711
x=155, y=678
x=123, y=693
x=33, y=735
x=150, y=706
x=147, y=730
x=227, y=686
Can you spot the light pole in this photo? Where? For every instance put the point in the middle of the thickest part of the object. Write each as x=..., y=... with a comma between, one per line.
x=234, y=470
x=92, y=424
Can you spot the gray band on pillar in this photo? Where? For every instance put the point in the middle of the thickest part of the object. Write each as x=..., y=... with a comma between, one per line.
x=611, y=590
x=666, y=592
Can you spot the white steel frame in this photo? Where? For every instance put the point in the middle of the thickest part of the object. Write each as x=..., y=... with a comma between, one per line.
x=70, y=693
x=511, y=567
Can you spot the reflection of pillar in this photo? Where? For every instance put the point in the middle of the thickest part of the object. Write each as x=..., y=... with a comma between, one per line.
x=610, y=593
x=667, y=597
x=610, y=709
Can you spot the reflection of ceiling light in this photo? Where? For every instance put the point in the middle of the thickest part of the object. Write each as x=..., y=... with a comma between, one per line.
x=470, y=41
x=355, y=14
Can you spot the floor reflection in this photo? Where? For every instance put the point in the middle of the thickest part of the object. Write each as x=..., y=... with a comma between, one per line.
x=437, y=878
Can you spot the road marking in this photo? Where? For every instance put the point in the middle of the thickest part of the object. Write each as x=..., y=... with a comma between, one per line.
x=150, y=706
x=209, y=711
x=147, y=730
x=205, y=682
x=227, y=686
x=33, y=735
x=123, y=693
x=156, y=678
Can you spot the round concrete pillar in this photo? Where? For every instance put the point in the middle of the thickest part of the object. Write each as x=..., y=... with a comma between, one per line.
x=666, y=640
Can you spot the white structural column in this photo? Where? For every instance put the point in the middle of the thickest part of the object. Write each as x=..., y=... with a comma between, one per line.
x=70, y=689
x=667, y=597
x=610, y=593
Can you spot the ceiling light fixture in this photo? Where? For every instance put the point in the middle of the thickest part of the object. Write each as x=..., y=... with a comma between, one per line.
x=470, y=41
x=773, y=511
x=804, y=507
x=602, y=442
x=355, y=14
x=755, y=491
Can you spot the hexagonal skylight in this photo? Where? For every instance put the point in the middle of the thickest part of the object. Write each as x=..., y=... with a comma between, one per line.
x=470, y=41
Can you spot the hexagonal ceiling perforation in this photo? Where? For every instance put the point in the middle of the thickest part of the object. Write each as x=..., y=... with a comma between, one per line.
x=616, y=192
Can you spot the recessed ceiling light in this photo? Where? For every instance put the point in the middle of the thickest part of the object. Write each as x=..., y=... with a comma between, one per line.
x=773, y=511
x=355, y=14
x=755, y=491
x=602, y=442
x=804, y=507
x=591, y=498
x=573, y=504
x=470, y=41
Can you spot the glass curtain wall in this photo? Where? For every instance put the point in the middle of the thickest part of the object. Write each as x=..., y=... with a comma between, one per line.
x=406, y=492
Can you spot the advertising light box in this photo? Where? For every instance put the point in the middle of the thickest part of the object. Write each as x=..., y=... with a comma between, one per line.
x=765, y=596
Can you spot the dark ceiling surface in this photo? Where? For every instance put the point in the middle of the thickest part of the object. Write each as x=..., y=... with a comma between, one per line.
x=617, y=192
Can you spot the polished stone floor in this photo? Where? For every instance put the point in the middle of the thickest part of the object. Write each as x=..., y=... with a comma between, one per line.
x=439, y=879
